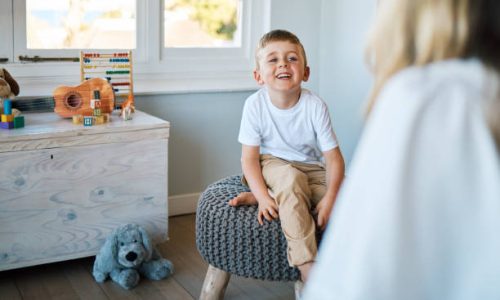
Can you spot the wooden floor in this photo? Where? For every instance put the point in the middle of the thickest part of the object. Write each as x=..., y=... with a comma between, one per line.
x=73, y=279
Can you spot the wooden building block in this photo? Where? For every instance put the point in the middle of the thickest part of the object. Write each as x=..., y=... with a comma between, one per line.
x=77, y=119
x=7, y=118
x=88, y=121
x=7, y=125
x=99, y=120
x=7, y=107
x=19, y=122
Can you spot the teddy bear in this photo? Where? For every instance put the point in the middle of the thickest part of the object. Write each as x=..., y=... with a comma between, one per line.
x=128, y=253
x=8, y=86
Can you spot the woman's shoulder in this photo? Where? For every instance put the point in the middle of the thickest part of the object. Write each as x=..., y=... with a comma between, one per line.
x=438, y=85
x=468, y=75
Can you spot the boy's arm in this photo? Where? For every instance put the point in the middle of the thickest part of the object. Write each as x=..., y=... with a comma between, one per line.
x=334, y=175
x=250, y=163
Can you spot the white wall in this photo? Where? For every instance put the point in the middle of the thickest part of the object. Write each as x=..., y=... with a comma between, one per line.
x=344, y=80
x=303, y=19
x=203, y=144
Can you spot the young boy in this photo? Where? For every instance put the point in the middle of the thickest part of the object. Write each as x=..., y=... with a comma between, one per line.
x=285, y=131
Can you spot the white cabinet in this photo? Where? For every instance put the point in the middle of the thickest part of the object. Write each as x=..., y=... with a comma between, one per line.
x=65, y=187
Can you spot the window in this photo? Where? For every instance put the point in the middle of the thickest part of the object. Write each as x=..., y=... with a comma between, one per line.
x=190, y=40
x=206, y=23
x=91, y=24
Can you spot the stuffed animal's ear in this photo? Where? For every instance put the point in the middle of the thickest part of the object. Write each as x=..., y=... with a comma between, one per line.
x=109, y=251
x=146, y=241
x=114, y=247
x=14, y=87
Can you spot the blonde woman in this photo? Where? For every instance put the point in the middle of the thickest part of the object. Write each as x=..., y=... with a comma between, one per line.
x=419, y=214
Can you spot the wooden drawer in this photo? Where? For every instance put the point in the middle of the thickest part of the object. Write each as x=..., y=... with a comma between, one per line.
x=61, y=203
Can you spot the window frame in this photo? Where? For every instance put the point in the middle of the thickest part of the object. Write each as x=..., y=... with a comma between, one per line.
x=156, y=69
x=6, y=19
x=19, y=30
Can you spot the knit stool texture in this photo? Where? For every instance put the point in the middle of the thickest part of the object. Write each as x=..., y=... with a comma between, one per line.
x=231, y=238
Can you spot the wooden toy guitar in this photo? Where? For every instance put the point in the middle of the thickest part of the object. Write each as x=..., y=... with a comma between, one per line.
x=75, y=100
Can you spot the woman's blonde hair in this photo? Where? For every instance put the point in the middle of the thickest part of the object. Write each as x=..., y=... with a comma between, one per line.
x=418, y=32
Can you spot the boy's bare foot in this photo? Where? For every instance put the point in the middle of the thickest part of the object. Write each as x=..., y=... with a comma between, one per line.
x=245, y=198
x=304, y=270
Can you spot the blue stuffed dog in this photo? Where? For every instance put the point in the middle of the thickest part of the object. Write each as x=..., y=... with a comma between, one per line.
x=127, y=254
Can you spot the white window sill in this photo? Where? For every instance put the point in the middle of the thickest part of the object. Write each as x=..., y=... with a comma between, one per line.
x=149, y=84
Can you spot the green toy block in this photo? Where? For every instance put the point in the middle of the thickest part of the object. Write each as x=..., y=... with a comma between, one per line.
x=19, y=122
x=88, y=121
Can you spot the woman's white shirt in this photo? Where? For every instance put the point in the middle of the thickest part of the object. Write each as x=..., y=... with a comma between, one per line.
x=418, y=216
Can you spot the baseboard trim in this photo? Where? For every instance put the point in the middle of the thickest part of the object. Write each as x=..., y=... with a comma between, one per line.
x=182, y=204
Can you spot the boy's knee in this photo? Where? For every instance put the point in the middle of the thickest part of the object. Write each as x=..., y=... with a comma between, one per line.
x=294, y=180
x=286, y=179
x=287, y=173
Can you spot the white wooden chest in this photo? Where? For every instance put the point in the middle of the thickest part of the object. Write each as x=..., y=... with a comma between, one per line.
x=64, y=188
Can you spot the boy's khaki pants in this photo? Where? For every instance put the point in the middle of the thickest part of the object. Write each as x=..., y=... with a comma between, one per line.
x=295, y=187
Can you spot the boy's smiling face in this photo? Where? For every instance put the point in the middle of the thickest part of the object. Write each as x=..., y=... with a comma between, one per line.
x=281, y=67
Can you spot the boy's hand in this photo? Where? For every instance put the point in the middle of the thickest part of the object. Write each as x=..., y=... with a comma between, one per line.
x=323, y=209
x=267, y=209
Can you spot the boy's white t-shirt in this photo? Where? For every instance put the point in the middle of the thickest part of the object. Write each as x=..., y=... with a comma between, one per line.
x=300, y=133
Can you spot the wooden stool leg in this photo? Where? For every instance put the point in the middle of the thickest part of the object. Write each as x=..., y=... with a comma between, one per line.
x=298, y=287
x=215, y=284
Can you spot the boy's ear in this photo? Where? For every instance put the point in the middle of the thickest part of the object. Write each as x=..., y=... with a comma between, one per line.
x=307, y=72
x=258, y=77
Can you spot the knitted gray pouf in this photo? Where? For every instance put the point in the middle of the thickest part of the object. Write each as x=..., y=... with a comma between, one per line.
x=231, y=238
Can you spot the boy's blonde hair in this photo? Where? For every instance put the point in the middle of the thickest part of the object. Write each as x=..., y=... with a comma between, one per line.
x=278, y=35
x=419, y=32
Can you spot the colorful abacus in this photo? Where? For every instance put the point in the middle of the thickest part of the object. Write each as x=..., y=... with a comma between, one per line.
x=115, y=67
x=8, y=120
